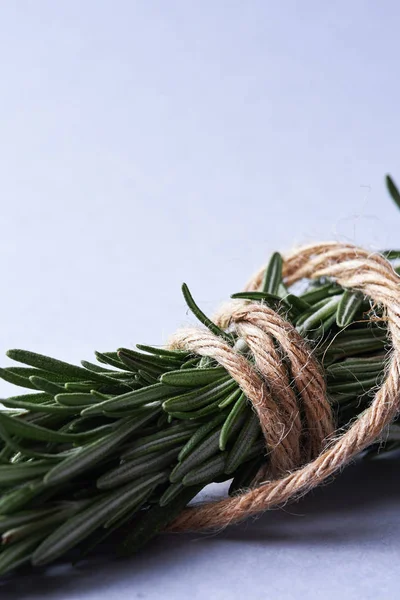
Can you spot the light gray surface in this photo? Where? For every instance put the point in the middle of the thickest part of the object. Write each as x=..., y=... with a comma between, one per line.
x=148, y=143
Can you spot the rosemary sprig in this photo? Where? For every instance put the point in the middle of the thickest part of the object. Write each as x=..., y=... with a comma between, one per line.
x=133, y=438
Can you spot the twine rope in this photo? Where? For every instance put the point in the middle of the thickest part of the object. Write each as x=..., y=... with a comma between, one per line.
x=303, y=451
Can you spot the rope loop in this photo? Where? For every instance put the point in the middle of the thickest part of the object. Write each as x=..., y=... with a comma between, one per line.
x=300, y=443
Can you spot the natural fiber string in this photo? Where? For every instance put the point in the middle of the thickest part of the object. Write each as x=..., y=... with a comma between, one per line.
x=302, y=455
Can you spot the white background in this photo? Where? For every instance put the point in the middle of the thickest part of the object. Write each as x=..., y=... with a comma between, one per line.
x=148, y=143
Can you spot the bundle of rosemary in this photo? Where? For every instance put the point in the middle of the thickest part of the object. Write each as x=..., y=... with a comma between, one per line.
x=94, y=451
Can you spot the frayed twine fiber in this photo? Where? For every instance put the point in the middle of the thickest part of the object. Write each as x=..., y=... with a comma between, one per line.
x=303, y=452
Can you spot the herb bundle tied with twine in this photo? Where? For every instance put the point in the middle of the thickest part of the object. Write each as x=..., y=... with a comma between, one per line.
x=292, y=379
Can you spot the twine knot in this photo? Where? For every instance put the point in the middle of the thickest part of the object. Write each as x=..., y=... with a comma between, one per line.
x=289, y=396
